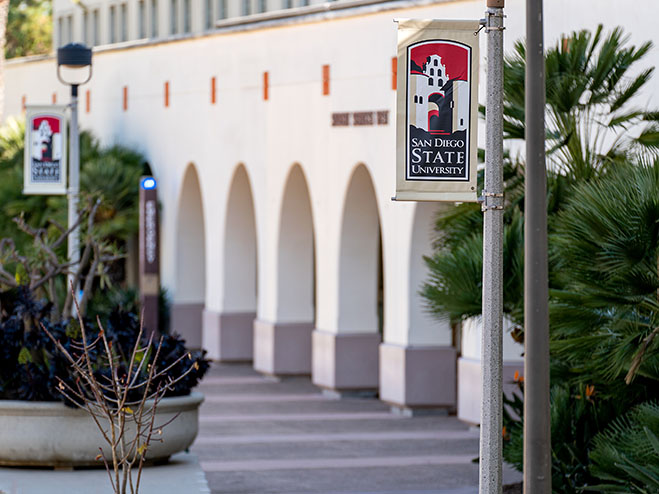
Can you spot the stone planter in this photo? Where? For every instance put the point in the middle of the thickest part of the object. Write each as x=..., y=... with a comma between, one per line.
x=49, y=434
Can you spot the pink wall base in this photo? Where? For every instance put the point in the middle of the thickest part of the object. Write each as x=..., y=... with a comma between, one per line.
x=345, y=362
x=186, y=321
x=418, y=377
x=228, y=336
x=282, y=348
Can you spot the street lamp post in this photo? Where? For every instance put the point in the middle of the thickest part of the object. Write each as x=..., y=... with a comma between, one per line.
x=74, y=67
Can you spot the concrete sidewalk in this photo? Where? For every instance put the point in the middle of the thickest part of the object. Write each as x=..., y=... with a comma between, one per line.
x=181, y=475
x=261, y=435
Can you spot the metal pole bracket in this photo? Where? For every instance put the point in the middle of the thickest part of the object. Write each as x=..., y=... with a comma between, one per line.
x=485, y=204
x=488, y=26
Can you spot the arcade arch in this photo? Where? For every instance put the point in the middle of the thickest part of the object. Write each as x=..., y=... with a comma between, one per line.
x=240, y=247
x=284, y=346
x=360, y=258
x=229, y=334
x=423, y=329
x=346, y=358
x=190, y=290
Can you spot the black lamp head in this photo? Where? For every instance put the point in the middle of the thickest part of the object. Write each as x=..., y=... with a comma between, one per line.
x=74, y=55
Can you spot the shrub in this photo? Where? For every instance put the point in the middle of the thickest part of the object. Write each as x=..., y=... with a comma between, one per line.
x=625, y=457
x=31, y=366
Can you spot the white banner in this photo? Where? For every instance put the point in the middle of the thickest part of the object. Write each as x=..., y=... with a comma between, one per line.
x=437, y=110
x=45, y=168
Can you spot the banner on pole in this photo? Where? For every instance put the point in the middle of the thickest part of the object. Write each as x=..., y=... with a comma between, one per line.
x=437, y=110
x=45, y=150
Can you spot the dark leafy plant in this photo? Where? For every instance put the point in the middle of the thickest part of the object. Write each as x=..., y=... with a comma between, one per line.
x=31, y=366
x=605, y=322
x=121, y=395
x=577, y=416
x=625, y=457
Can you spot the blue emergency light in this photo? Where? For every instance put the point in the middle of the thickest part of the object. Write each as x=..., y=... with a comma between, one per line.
x=148, y=183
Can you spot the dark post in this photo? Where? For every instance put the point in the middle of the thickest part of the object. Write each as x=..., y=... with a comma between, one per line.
x=149, y=253
x=537, y=442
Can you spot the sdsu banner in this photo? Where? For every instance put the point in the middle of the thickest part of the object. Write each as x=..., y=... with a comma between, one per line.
x=437, y=103
x=45, y=150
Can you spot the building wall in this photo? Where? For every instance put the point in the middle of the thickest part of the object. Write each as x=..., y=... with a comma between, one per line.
x=74, y=21
x=287, y=155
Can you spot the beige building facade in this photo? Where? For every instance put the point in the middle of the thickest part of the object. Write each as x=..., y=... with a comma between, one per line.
x=270, y=129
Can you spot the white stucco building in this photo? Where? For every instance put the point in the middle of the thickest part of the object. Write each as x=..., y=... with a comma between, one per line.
x=269, y=125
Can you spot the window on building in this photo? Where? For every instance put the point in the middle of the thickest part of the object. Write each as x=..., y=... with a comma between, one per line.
x=97, y=27
x=85, y=28
x=222, y=9
x=154, y=18
x=261, y=5
x=247, y=8
x=187, y=15
x=69, y=29
x=432, y=71
x=60, y=31
x=416, y=98
x=208, y=14
x=141, y=19
x=435, y=62
x=421, y=99
x=440, y=82
x=431, y=82
x=288, y=4
x=113, y=24
x=173, y=17
x=124, y=22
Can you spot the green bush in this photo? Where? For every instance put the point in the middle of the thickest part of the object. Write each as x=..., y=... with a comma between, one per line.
x=603, y=222
x=625, y=457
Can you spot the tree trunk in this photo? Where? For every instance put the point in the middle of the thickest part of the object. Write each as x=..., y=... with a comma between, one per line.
x=4, y=13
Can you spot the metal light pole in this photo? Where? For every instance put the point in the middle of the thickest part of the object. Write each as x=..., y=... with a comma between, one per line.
x=537, y=443
x=72, y=59
x=491, y=441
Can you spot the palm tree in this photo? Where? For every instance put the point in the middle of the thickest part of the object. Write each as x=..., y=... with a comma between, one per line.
x=605, y=319
x=604, y=245
x=592, y=125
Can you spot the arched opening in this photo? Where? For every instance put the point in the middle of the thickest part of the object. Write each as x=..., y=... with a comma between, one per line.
x=232, y=336
x=347, y=359
x=283, y=346
x=423, y=329
x=360, y=257
x=190, y=290
x=240, y=247
x=295, y=263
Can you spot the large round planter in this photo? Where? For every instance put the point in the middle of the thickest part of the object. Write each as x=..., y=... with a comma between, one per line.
x=53, y=435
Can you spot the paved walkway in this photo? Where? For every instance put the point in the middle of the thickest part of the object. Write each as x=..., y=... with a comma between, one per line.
x=181, y=475
x=260, y=435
